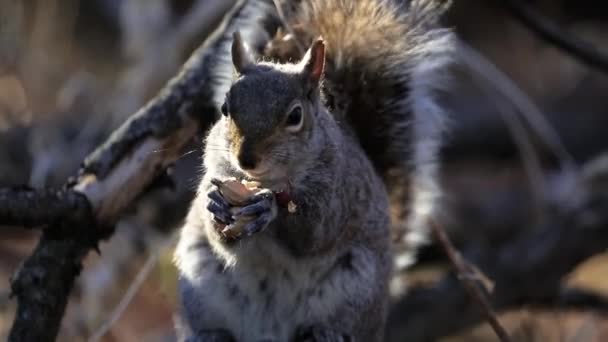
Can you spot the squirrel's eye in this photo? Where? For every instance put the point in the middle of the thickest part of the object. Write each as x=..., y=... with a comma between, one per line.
x=224, y=109
x=294, y=119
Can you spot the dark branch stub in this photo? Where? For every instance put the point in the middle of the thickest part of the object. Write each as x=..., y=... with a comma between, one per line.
x=31, y=208
x=42, y=286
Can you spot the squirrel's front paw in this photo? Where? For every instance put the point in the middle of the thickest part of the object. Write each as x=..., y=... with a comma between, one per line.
x=220, y=208
x=262, y=207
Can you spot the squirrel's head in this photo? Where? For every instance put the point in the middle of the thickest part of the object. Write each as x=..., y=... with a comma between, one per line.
x=271, y=111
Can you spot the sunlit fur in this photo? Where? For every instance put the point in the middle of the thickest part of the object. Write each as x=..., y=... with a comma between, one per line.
x=386, y=68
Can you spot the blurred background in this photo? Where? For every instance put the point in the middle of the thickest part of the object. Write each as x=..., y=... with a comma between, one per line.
x=71, y=71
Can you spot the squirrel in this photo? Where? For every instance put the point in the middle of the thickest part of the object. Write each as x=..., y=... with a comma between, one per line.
x=384, y=66
x=320, y=273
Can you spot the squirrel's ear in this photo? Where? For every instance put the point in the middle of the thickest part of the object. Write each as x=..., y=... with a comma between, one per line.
x=314, y=62
x=240, y=55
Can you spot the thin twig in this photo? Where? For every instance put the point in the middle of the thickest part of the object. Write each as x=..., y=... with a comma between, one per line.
x=463, y=270
x=128, y=296
x=547, y=30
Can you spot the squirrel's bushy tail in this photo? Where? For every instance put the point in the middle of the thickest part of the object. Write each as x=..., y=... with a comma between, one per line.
x=386, y=65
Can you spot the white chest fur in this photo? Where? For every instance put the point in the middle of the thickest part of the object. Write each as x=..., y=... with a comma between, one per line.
x=266, y=295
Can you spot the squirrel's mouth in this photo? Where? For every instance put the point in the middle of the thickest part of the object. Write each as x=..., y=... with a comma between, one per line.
x=267, y=176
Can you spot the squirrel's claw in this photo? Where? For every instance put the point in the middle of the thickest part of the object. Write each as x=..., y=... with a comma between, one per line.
x=258, y=224
x=264, y=199
x=216, y=196
x=219, y=207
x=220, y=215
x=254, y=209
x=263, y=206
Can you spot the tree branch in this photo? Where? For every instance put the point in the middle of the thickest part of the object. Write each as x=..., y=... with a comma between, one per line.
x=42, y=286
x=34, y=208
x=110, y=179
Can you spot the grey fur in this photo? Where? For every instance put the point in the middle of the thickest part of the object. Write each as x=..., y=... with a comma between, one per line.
x=320, y=274
x=382, y=86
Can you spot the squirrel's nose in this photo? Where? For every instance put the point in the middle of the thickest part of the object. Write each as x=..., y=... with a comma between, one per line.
x=247, y=161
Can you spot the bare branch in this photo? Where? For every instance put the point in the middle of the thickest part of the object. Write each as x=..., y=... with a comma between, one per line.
x=111, y=178
x=466, y=276
x=35, y=208
x=42, y=286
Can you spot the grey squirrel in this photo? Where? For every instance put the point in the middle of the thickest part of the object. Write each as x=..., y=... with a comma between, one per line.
x=387, y=65
x=321, y=273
